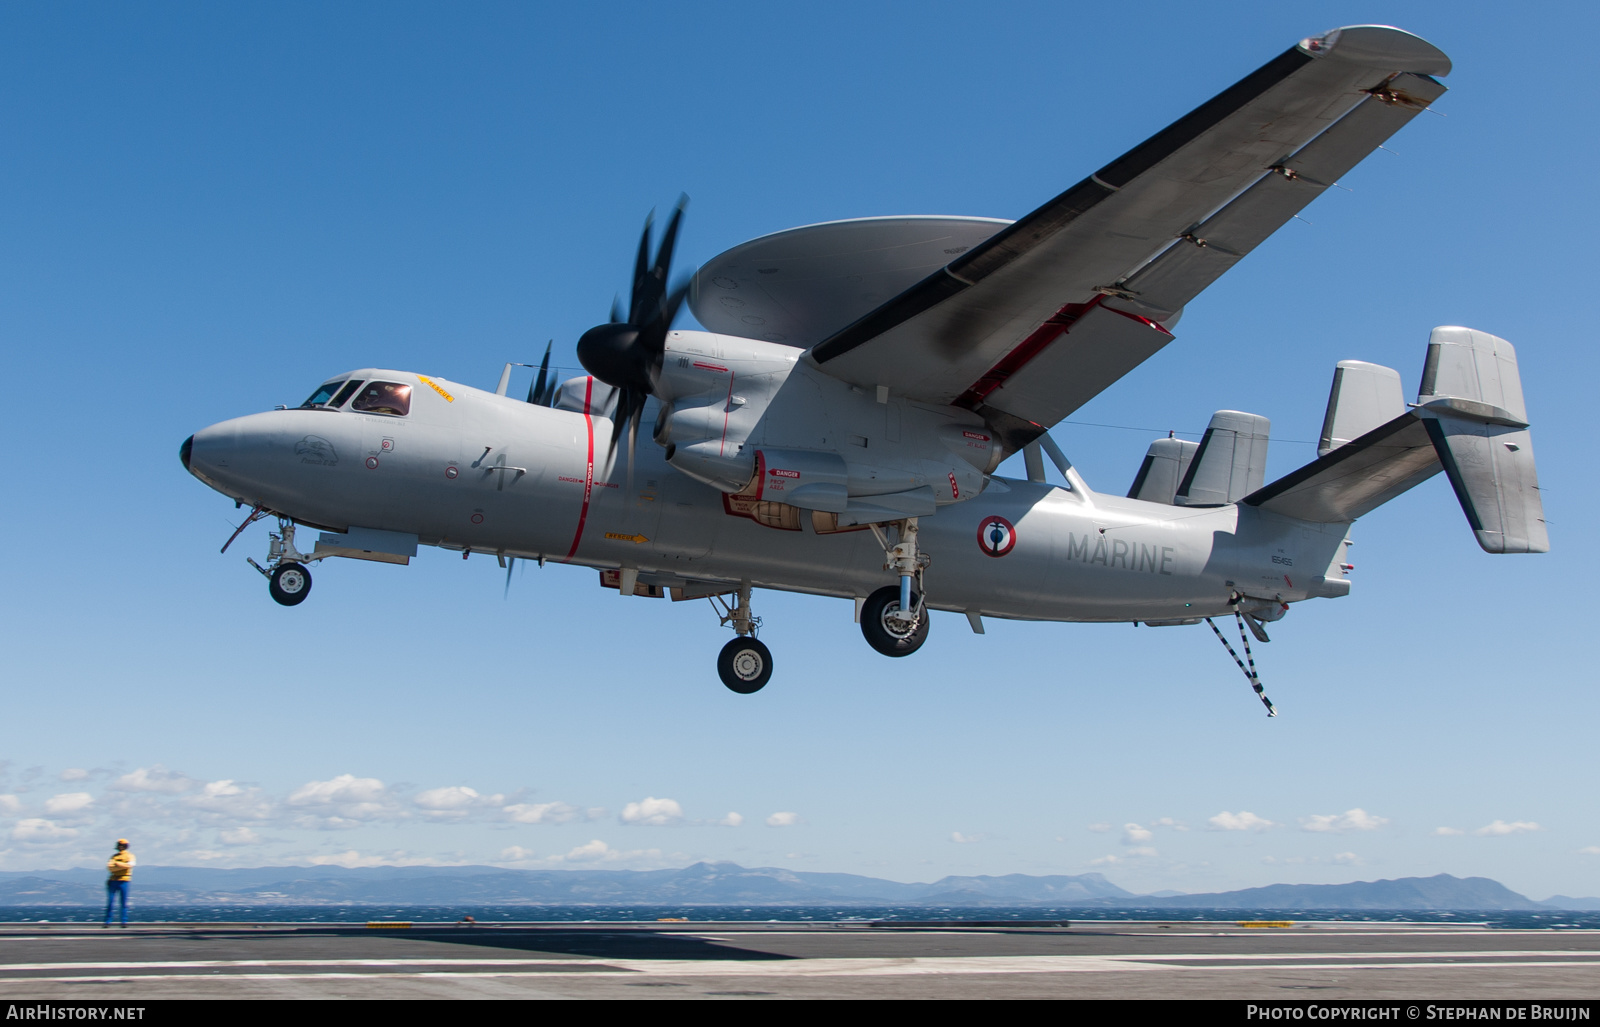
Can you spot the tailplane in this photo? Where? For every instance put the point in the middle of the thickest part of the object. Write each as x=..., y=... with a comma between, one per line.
x=1469, y=421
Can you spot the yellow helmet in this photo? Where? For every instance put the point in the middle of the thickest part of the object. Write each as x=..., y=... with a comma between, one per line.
x=122, y=841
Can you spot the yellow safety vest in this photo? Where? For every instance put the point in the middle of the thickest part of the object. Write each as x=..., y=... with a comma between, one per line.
x=120, y=866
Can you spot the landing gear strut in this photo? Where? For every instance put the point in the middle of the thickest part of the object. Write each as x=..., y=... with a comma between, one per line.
x=745, y=664
x=894, y=619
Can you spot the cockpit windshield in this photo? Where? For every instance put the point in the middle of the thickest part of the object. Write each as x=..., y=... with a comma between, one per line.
x=324, y=393
x=384, y=398
x=330, y=395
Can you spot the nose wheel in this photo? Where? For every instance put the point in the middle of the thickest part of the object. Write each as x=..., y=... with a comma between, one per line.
x=745, y=665
x=289, y=584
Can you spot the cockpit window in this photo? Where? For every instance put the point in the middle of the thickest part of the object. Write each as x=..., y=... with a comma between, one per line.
x=324, y=393
x=345, y=393
x=384, y=398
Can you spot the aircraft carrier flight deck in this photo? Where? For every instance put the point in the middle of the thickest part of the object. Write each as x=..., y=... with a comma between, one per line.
x=1257, y=961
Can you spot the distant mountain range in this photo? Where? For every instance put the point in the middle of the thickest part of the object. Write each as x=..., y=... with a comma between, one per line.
x=727, y=884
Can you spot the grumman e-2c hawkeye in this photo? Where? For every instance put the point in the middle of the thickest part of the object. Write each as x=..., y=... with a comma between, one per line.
x=837, y=430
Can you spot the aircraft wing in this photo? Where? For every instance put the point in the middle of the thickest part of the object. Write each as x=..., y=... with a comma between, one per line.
x=1035, y=321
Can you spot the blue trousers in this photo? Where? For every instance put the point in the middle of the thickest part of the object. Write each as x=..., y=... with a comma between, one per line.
x=113, y=889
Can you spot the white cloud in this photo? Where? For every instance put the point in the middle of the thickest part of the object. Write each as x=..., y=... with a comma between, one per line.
x=783, y=820
x=597, y=851
x=75, y=774
x=1590, y=850
x=1350, y=820
x=1446, y=832
x=1347, y=859
x=965, y=839
x=540, y=812
x=1500, y=828
x=731, y=820
x=1106, y=860
x=453, y=802
x=10, y=805
x=36, y=831
x=1142, y=850
x=1176, y=825
x=1240, y=821
x=652, y=812
x=154, y=779
x=226, y=800
x=346, y=788
x=452, y=798
x=68, y=802
x=1100, y=828
x=239, y=836
x=347, y=800
x=348, y=858
x=1133, y=834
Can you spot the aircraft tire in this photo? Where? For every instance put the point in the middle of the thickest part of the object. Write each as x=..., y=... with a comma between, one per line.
x=290, y=584
x=745, y=665
x=884, y=635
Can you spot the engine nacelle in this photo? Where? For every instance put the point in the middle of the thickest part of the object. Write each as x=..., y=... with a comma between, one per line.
x=748, y=417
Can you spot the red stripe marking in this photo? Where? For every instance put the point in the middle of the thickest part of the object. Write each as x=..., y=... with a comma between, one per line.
x=588, y=474
x=1059, y=324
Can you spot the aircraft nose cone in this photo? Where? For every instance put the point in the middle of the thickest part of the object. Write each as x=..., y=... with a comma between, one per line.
x=184, y=451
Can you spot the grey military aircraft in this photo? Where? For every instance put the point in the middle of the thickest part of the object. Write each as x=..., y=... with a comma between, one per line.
x=837, y=429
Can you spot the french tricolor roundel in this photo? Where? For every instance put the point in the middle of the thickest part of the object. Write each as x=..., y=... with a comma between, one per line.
x=996, y=536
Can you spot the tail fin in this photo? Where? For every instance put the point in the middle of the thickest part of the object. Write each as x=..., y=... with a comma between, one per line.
x=1163, y=470
x=1469, y=420
x=1231, y=462
x=1472, y=398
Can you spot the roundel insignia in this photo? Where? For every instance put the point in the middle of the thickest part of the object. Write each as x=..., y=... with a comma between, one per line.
x=996, y=536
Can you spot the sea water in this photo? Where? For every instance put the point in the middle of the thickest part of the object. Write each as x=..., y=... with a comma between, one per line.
x=497, y=913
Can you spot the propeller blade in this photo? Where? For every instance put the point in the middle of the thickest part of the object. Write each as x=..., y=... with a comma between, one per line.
x=616, y=310
x=510, y=563
x=641, y=271
x=536, y=390
x=617, y=415
x=663, y=264
x=633, y=439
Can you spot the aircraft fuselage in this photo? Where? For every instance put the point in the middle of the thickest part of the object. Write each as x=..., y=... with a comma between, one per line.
x=470, y=470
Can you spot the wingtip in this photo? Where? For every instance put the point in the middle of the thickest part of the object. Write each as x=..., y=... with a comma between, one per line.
x=1380, y=46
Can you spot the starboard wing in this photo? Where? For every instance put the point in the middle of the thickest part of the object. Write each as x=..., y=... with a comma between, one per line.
x=1032, y=323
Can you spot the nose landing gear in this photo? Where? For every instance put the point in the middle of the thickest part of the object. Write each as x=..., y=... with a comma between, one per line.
x=287, y=572
x=745, y=664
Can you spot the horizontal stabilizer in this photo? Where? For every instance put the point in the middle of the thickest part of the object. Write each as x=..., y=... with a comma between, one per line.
x=1356, y=478
x=1469, y=421
x=1163, y=470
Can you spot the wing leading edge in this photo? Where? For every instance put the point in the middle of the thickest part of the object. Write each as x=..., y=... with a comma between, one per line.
x=1031, y=324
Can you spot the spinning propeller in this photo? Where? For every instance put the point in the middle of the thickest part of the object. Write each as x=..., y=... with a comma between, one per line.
x=627, y=353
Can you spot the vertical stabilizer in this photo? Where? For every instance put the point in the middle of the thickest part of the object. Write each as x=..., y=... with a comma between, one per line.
x=1163, y=470
x=1363, y=396
x=1230, y=463
x=1471, y=401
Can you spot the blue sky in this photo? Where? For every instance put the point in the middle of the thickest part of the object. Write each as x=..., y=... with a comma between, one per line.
x=210, y=208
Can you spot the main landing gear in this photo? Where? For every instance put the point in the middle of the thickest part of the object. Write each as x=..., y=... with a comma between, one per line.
x=894, y=619
x=745, y=664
